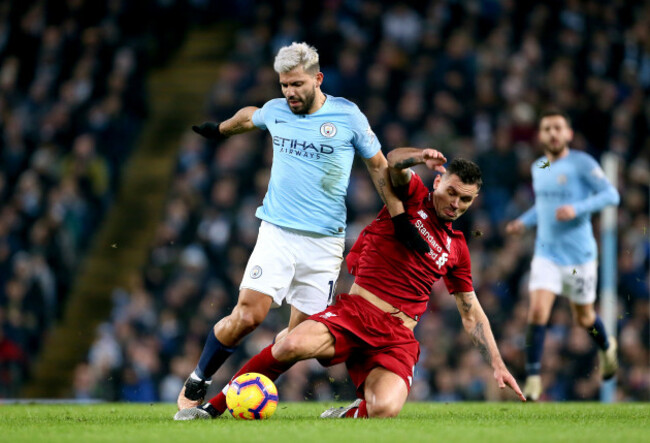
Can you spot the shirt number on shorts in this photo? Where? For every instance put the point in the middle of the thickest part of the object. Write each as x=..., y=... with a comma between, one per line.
x=583, y=285
x=580, y=286
x=331, y=291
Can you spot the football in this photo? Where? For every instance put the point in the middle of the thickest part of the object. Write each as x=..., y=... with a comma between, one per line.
x=252, y=396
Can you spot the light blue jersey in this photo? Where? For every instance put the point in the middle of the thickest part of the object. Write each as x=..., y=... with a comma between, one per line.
x=577, y=180
x=312, y=159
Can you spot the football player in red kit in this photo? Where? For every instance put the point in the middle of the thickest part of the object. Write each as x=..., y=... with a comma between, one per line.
x=371, y=327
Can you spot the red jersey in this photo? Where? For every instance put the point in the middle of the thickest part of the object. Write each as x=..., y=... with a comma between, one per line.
x=382, y=265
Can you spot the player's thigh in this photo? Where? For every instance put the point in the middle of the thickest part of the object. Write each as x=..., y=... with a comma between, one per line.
x=271, y=266
x=296, y=317
x=579, y=283
x=252, y=305
x=544, y=283
x=385, y=393
x=545, y=275
x=310, y=339
x=318, y=263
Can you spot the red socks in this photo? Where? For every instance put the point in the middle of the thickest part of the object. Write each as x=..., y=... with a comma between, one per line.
x=219, y=402
x=360, y=412
x=262, y=363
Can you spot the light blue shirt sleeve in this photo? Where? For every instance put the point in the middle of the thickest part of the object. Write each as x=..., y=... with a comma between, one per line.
x=364, y=139
x=529, y=218
x=259, y=116
x=594, y=178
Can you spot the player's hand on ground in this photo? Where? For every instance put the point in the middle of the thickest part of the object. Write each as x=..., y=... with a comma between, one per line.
x=565, y=213
x=504, y=378
x=209, y=130
x=408, y=234
x=515, y=227
x=434, y=160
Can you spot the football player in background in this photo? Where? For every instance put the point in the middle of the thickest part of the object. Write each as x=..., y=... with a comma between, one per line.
x=300, y=245
x=371, y=327
x=569, y=186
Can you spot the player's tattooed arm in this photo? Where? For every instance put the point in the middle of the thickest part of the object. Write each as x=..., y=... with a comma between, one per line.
x=241, y=122
x=466, y=301
x=408, y=162
x=478, y=337
x=477, y=325
x=401, y=159
x=399, y=162
x=381, y=186
x=378, y=169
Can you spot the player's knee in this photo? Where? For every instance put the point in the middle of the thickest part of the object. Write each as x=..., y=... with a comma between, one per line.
x=382, y=408
x=290, y=348
x=537, y=316
x=248, y=319
x=585, y=320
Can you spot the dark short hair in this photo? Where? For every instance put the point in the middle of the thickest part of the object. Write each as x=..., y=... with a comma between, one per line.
x=468, y=171
x=555, y=112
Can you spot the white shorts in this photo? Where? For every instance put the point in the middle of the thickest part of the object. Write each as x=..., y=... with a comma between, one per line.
x=577, y=282
x=293, y=265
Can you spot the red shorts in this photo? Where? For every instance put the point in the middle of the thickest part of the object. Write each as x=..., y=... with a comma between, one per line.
x=367, y=337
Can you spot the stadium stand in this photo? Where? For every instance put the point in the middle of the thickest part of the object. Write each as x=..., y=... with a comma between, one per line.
x=467, y=79
x=72, y=101
x=464, y=77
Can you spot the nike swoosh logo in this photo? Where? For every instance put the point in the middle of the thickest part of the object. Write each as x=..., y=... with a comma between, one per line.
x=279, y=121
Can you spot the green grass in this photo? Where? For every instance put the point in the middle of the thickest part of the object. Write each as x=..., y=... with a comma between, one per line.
x=298, y=422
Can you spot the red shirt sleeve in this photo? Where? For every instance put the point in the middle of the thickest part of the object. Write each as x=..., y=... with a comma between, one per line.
x=413, y=191
x=459, y=278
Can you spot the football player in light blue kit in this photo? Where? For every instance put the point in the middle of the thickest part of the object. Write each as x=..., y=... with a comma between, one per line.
x=300, y=246
x=569, y=186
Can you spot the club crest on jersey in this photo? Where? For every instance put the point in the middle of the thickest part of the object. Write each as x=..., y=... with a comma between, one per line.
x=328, y=315
x=442, y=259
x=328, y=129
x=561, y=179
x=256, y=272
x=598, y=173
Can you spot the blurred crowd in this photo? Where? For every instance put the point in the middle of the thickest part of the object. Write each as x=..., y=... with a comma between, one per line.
x=465, y=77
x=72, y=101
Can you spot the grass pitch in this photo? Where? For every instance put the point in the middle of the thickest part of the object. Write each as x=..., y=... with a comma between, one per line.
x=299, y=422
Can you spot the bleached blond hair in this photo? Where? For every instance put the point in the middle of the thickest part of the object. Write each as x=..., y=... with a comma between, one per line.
x=294, y=55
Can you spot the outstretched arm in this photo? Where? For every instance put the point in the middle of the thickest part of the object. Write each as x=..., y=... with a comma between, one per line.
x=519, y=225
x=477, y=325
x=241, y=122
